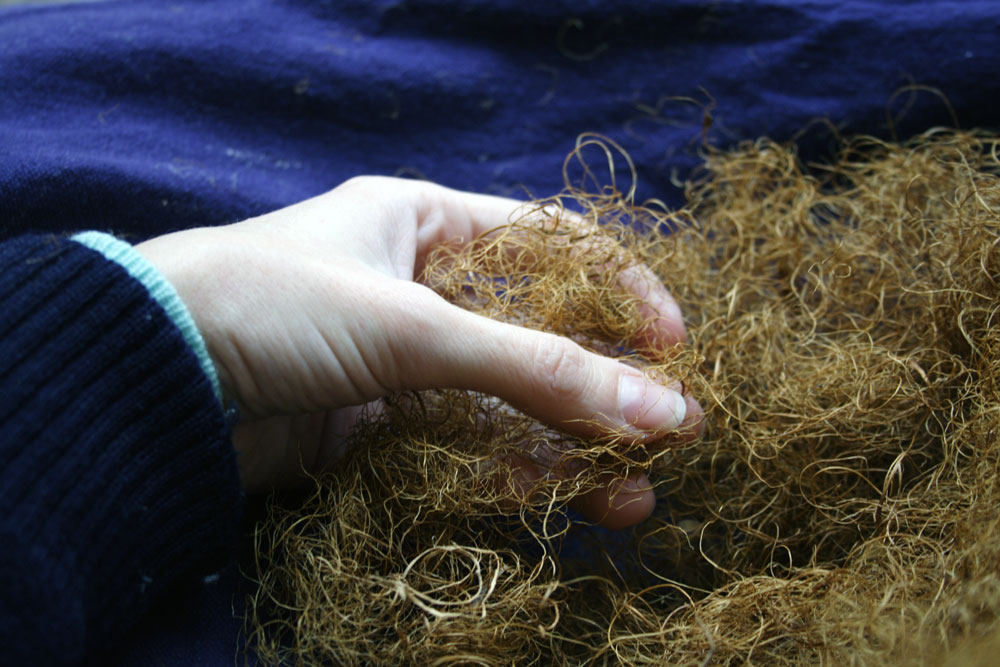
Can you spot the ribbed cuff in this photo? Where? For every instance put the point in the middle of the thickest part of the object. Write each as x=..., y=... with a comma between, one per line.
x=160, y=289
x=117, y=473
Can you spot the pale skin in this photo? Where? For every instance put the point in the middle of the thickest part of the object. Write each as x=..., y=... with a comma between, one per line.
x=312, y=311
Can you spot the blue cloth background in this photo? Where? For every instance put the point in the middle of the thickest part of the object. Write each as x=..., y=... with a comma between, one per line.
x=142, y=117
x=147, y=116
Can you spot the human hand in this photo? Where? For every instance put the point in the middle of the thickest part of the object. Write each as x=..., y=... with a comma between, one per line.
x=311, y=311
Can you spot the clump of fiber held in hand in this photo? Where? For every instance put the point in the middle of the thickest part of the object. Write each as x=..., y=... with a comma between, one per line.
x=842, y=505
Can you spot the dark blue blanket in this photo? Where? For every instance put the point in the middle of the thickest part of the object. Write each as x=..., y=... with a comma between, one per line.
x=149, y=116
x=142, y=117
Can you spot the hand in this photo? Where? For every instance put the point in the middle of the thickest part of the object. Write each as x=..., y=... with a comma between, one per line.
x=311, y=311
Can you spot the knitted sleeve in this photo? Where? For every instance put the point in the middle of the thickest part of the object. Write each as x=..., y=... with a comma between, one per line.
x=117, y=476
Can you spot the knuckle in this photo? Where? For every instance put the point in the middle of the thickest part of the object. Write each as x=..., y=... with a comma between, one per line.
x=361, y=183
x=386, y=191
x=562, y=367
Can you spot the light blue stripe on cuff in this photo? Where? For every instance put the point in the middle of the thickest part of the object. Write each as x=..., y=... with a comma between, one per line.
x=142, y=270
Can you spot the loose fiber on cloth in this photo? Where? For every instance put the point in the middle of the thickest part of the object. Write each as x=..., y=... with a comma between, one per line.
x=842, y=505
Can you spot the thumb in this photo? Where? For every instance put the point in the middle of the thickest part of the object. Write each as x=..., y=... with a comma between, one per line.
x=544, y=375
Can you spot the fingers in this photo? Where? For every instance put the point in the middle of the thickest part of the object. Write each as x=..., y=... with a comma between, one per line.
x=439, y=214
x=618, y=503
x=554, y=380
x=663, y=323
x=664, y=326
x=546, y=376
x=444, y=215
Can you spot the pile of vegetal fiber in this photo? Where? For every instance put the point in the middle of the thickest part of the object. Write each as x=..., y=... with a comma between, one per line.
x=841, y=507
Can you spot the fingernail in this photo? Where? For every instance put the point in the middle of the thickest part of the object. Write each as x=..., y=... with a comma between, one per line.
x=648, y=406
x=664, y=306
x=671, y=310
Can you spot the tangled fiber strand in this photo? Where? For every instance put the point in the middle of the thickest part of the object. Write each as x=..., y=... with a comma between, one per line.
x=841, y=507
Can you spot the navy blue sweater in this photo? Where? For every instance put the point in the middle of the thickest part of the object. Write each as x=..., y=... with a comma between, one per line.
x=117, y=472
x=140, y=117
